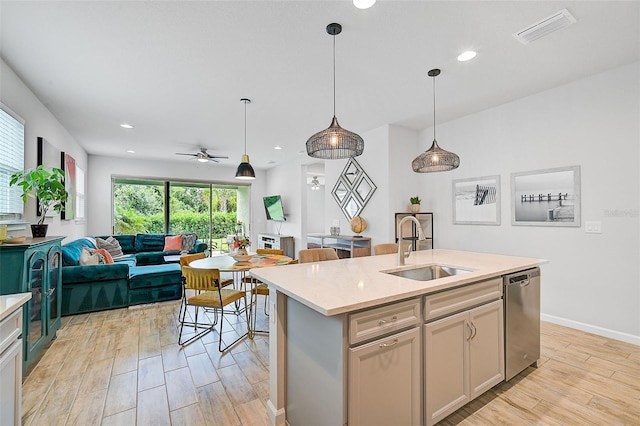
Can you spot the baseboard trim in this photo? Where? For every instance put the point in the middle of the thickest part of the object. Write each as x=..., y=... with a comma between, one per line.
x=600, y=331
x=277, y=417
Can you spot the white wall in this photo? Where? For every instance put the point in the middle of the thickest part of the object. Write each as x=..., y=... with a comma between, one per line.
x=592, y=281
x=102, y=169
x=39, y=122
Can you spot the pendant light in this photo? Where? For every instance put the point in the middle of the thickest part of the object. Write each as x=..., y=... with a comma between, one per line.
x=435, y=159
x=245, y=171
x=334, y=143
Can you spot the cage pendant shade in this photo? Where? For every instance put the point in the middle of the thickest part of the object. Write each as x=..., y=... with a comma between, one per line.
x=334, y=142
x=435, y=159
x=245, y=171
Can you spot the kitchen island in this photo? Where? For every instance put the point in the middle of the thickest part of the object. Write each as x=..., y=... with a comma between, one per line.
x=351, y=343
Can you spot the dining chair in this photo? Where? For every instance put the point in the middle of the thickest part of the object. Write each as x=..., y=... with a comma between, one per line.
x=317, y=255
x=210, y=295
x=386, y=248
x=186, y=259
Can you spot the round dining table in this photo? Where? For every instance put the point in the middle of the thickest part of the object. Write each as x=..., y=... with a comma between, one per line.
x=226, y=263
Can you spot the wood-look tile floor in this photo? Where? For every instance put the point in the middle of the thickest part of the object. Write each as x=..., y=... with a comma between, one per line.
x=124, y=367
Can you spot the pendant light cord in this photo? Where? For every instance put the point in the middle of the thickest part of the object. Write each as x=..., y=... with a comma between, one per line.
x=245, y=127
x=334, y=75
x=434, y=108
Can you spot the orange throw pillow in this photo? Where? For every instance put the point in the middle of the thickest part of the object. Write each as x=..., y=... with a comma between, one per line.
x=107, y=256
x=173, y=243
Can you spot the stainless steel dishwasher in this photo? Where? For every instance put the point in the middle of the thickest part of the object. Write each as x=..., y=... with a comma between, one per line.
x=521, y=320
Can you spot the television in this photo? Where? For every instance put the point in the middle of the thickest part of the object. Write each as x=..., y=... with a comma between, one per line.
x=273, y=208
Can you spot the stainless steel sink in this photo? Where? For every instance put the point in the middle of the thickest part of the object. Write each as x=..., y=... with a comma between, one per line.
x=427, y=273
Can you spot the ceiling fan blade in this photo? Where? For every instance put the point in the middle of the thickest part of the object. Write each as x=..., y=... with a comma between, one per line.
x=182, y=153
x=217, y=156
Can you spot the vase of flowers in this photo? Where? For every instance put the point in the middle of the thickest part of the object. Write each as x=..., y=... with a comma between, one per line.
x=241, y=244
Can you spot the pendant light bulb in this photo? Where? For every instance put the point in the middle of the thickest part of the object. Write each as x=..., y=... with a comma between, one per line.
x=245, y=171
x=435, y=159
x=334, y=142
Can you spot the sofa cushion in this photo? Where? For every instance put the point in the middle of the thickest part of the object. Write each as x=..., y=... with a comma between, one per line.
x=127, y=242
x=71, y=251
x=94, y=273
x=111, y=245
x=154, y=275
x=172, y=242
x=151, y=257
x=149, y=242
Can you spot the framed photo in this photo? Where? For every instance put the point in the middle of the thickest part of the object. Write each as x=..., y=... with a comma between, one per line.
x=546, y=197
x=476, y=201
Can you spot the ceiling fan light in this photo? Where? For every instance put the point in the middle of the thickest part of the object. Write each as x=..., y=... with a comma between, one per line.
x=202, y=157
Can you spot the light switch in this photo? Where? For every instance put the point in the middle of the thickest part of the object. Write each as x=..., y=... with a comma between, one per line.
x=593, y=227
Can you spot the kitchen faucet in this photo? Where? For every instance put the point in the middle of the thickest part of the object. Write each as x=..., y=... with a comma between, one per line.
x=401, y=254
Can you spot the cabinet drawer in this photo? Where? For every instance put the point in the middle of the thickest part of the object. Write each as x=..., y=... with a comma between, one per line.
x=379, y=321
x=451, y=301
x=10, y=329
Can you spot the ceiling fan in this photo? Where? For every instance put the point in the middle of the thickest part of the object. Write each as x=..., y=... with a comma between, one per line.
x=203, y=156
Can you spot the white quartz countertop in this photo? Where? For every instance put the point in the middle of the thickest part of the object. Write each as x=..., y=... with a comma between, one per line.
x=341, y=286
x=12, y=302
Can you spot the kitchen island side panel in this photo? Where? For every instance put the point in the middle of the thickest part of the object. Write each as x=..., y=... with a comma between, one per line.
x=316, y=367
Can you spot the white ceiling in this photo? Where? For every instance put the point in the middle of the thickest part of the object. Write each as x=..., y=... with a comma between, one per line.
x=176, y=70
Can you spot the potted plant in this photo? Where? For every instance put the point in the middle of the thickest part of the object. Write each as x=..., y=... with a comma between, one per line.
x=47, y=186
x=415, y=204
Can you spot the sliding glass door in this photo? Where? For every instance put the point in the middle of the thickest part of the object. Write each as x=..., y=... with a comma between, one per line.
x=174, y=207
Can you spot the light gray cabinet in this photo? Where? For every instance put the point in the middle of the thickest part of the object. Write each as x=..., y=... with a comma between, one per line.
x=385, y=381
x=464, y=357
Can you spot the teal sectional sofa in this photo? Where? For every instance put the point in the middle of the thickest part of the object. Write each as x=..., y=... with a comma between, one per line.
x=140, y=276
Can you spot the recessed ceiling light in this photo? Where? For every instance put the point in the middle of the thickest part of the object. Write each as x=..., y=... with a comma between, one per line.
x=277, y=147
x=126, y=126
x=363, y=4
x=465, y=56
x=130, y=151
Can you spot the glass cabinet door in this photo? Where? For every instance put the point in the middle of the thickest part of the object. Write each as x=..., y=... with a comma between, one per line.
x=54, y=301
x=36, y=269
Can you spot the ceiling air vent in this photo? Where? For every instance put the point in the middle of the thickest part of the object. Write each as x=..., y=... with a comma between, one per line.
x=543, y=27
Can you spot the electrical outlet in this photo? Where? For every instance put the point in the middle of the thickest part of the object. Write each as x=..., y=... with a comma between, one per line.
x=593, y=227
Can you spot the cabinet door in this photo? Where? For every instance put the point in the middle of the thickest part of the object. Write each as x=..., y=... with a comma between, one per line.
x=54, y=289
x=384, y=381
x=36, y=320
x=486, y=347
x=446, y=366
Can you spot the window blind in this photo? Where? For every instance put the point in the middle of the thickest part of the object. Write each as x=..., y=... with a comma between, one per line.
x=11, y=161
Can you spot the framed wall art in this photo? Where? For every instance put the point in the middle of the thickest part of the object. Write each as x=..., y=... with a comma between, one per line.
x=69, y=168
x=476, y=201
x=48, y=156
x=546, y=197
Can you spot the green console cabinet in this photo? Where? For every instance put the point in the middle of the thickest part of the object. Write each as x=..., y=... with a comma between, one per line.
x=35, y=267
